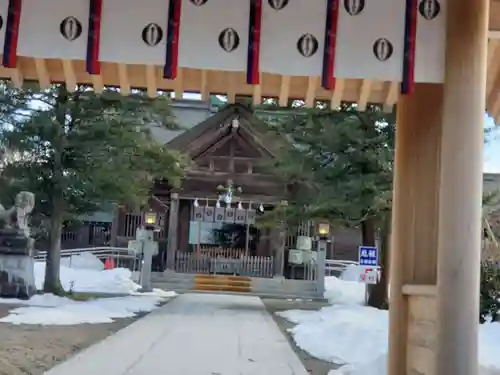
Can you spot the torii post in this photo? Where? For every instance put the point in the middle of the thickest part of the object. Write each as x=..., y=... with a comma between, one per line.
x=437, y=207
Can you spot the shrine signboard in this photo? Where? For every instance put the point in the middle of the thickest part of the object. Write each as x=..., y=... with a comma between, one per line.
x=226, y=215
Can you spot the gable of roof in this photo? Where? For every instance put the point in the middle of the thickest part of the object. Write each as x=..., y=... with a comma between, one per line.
x=215, y=124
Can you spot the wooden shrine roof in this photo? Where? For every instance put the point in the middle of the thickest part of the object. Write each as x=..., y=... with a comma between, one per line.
x=234, y=84
x=207, y=132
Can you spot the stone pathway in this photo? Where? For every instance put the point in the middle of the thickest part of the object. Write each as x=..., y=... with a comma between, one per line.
x=195, y=334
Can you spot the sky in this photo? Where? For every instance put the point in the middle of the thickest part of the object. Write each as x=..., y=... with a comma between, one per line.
x=492, y=147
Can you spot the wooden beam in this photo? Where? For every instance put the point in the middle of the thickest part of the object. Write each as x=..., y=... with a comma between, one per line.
x=231, y=156
x=494, y=101
x=249, y=167
x=69, y=75
x=492, y=46
x=493, y=66
x=42, y=73
x=493, y=96
x=16, y=76
x=97, y=83
x=262, y=177
x=231, y=93
x=364, y=94
x=284, y=91
x=123, y=79
x=204, y=85
x=195, y=148
x=254, y=179
x=237, y=158
x=221, y=142
x=151, y=86
x=392, y=96
x=338, y=92
x=312, y=85
x=178, y=83
x=191, y=194
x=257, y=92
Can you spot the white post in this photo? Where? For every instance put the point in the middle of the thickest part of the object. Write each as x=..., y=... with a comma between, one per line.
x=320, y=268
x=146, y=237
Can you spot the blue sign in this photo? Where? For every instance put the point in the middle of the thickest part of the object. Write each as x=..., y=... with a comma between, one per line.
x=368, y=256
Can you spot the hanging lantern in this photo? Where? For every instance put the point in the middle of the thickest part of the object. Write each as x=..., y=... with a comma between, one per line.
x=150, y=218
x=323, y=229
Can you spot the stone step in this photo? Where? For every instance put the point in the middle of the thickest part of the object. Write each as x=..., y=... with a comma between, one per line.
x=222, y=288
x=270, y=296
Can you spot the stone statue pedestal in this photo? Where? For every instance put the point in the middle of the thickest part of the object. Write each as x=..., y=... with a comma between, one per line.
x=17, y=265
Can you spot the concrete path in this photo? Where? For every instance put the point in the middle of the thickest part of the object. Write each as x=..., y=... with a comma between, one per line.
x=195, y=334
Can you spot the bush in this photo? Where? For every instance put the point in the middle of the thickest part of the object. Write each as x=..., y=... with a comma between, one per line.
x=489, y=307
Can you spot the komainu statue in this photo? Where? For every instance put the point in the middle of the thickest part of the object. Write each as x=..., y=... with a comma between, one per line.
x=17, y=278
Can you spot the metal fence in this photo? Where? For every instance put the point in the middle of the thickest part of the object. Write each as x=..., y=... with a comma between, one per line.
x=303, y=271
x=254, y=266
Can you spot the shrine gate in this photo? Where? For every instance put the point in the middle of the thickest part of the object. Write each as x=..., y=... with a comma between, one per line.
x=430, y=56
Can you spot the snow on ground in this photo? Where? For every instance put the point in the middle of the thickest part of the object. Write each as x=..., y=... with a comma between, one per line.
x=357, y=336
x=85, y=273
x=344, y=292
x=114, y=281
x=51, y=310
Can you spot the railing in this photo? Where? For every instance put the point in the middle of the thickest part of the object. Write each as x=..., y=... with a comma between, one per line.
x=254, y=266
x=121, y=255
x=336, y=267
x=303, y=271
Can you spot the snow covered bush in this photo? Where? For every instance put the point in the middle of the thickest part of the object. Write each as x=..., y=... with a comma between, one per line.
x=489, y=307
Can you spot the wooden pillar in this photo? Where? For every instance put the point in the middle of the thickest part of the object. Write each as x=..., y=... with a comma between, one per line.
x=415, y=210
x=461, y=188
x=278, y=235
x=173, y=221
x=114, y=226
x=278, y=245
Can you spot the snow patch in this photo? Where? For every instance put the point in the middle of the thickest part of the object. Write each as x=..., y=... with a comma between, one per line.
x=83, y=274
x=52, y=310
x=356, y=336
x=88, y=280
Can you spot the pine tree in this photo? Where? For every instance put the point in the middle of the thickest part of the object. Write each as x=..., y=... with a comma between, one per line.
x=344, y=157
x=339, y=166
x=78, y=150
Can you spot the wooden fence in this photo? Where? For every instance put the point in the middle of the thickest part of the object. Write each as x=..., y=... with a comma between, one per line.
x=87, y=235
x=253, y=266
x=217, y=252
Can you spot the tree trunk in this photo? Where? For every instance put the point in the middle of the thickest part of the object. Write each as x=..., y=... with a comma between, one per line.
x=378, y=296
x=368, y=230
x=52, y=283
